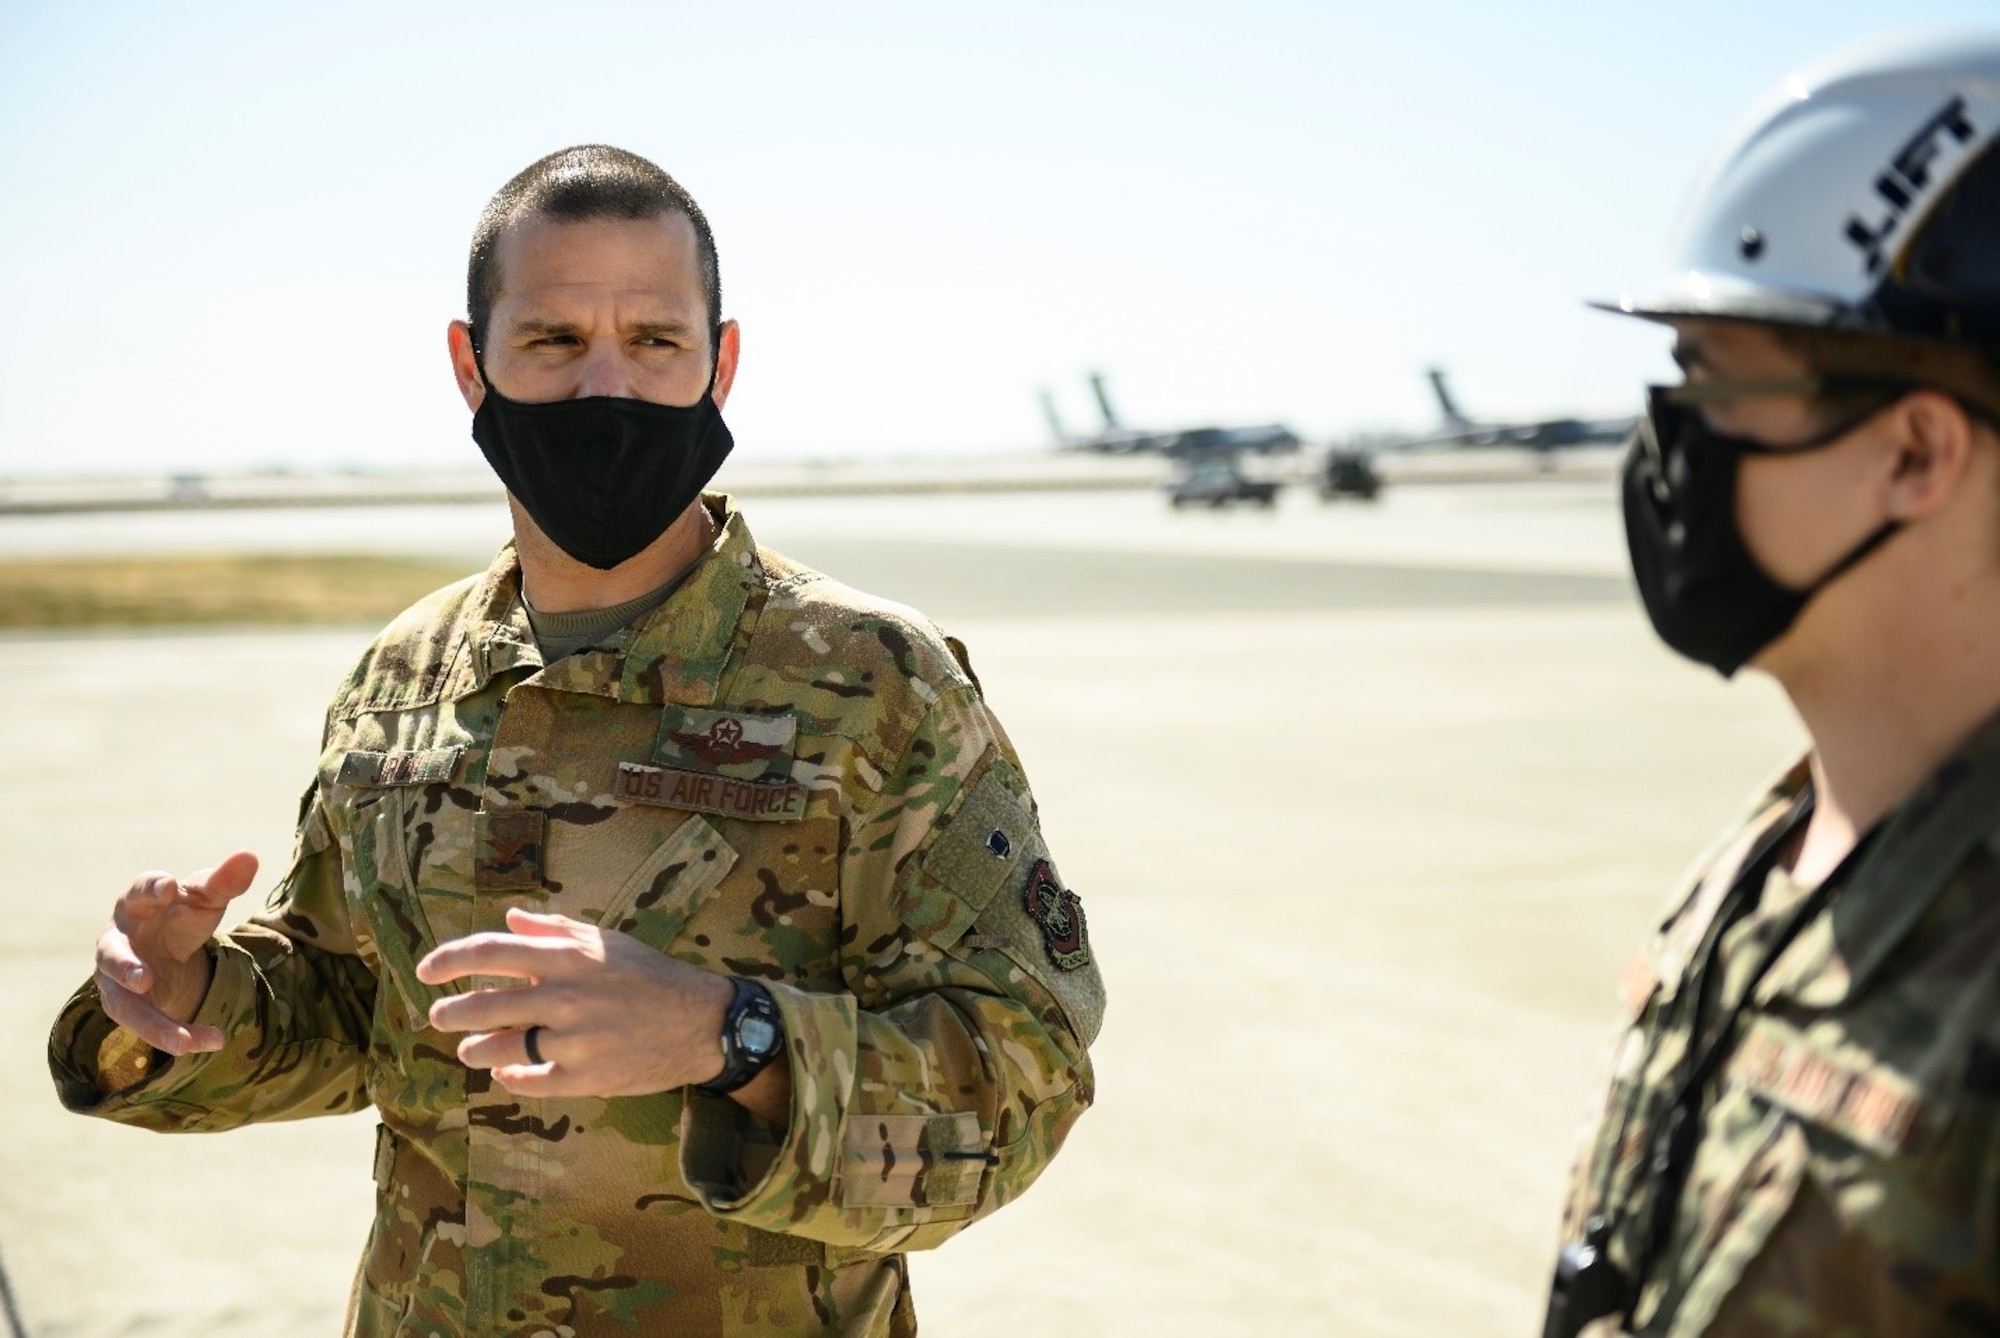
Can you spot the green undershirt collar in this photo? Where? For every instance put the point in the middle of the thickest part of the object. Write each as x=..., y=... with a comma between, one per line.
x=563, y=634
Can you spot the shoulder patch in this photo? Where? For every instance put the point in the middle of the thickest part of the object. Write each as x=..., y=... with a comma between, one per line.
x=1060, y=914
x=1040, y=928
x=1001, y=893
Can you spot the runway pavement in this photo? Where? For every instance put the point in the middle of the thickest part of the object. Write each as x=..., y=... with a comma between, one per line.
x=1526, y=526
x=1368, y=809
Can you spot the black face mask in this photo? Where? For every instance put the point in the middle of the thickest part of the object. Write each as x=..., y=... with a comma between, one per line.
x=1705, y=594
x=602, y=476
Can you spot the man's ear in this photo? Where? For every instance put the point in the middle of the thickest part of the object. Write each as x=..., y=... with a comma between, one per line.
x=728, y=345
x=1933, y=447
x=464, y=365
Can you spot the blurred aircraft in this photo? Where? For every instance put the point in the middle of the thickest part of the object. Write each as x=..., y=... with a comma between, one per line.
x=1216, y=480
x=1540, y=434
x=1116, y=438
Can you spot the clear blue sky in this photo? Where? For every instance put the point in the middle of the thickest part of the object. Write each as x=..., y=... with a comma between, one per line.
x=233, y=233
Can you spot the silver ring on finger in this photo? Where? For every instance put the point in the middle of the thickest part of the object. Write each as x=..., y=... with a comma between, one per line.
x=528, y=1038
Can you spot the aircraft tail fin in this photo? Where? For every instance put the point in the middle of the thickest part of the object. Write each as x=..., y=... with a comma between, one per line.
x=1111, y=423
x=1053, y=418
x=1452, y=416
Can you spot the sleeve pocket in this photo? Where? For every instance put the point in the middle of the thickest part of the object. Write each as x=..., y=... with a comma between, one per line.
x=911, y=1161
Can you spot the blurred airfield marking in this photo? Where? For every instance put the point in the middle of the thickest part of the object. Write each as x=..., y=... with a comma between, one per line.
x=1555, y=526
x=1362, y=872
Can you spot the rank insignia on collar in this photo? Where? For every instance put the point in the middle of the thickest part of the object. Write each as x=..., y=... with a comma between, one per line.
x=1060, y=914
x=508, y=852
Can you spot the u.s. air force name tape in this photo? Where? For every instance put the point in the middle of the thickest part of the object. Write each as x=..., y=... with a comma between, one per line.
x=1860, y=1101
x=704, y=792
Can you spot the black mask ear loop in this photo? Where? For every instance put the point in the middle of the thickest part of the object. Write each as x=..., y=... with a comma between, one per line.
x=1881, y=536
x=1665, y=411
x=1882, y=533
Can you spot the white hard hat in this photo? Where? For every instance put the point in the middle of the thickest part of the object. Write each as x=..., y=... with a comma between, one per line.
x=1861, y=194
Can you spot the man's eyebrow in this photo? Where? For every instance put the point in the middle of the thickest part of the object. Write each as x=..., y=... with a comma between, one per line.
x=533, y=326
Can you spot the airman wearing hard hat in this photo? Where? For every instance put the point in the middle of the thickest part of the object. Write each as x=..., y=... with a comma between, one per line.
x=1801, y=1134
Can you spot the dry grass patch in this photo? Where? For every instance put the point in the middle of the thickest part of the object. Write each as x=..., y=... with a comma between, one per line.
x=242, y=589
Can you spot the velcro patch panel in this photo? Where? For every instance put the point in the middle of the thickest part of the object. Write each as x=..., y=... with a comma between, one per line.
x=986, y=847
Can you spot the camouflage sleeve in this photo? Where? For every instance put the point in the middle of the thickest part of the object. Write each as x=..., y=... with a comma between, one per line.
x=942, y=1083
x=290, y=995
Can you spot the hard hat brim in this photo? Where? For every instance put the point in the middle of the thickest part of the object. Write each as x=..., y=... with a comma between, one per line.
x=1758, y=308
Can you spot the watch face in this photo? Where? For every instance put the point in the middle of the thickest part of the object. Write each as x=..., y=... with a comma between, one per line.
x=758, y=1035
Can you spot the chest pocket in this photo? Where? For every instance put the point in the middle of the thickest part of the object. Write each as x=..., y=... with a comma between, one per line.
x=1795, y=1106
x=1743, y=1184
x=380, y=877
x=654, y=904
x=381, y=891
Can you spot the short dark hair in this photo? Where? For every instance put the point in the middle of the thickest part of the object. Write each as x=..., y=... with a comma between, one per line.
x=575, y=184
x=1967, y=373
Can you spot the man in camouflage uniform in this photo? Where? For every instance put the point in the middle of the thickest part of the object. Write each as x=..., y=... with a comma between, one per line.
x=682, y=912
x=1802, y=1129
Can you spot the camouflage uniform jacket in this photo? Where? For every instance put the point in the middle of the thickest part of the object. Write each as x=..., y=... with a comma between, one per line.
x=771, y=776
x=1846, y=1173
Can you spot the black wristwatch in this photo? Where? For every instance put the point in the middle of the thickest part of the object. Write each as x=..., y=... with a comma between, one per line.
x=752, y=1036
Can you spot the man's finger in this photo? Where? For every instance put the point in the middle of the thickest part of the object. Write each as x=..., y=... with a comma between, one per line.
x=213, y=889
x=117, y=960
x=503, y=1049
x=492, y=1010
x=138, y=1016
x=542, y=1080
x=540, y=925
x=493, y=955
x=137, y=918
x=149, y=894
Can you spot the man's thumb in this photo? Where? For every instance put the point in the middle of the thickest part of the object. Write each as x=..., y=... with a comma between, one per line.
x=217, y=887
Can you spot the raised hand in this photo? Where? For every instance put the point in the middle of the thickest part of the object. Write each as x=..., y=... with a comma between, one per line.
x=153, y=965
x=615, y=1017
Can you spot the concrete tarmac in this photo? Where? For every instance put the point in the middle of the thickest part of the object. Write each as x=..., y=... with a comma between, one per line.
x=1368, y=809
